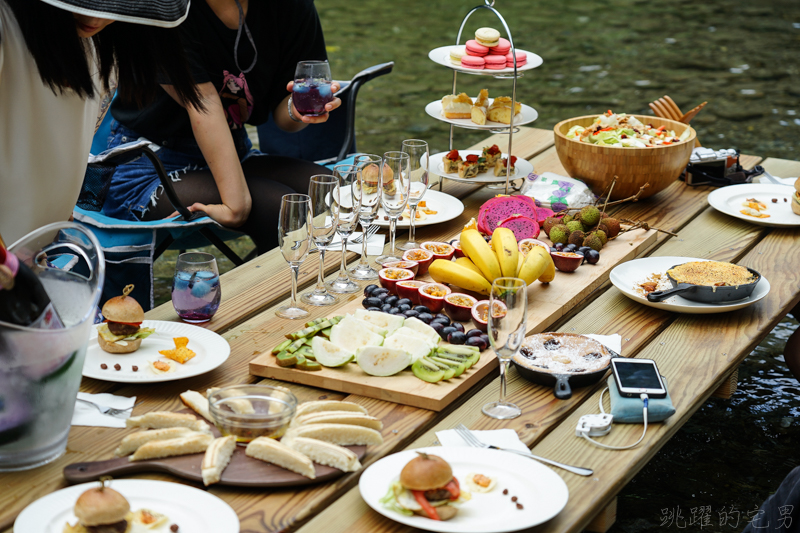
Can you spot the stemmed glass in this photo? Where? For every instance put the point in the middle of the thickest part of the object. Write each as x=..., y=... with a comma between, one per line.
x=395, y=188
x=367, y=191
x=418, y=163
x=294, y=239
x=345, y=207
x=506, y=333
x=322, y=189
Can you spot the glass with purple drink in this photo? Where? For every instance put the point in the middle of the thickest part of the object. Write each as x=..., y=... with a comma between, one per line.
x=195, y=287
x=312, y=87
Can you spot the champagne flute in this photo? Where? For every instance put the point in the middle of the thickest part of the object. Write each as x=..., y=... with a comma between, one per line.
x=322, y=190
x=395, y=188
x=367, y=190
x=345, y=207
x=294, y=239
x=419, y=158
x=508, y=310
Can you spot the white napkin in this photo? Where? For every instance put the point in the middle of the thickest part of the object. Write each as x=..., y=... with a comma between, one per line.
x=374, y=244
x=502, y=438
x=87, y=415
x=785, y=181
x=612, y=342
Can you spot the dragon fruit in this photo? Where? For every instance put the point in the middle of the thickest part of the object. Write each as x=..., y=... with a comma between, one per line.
x=500, y=208
x=542, y=214
x=522, y=226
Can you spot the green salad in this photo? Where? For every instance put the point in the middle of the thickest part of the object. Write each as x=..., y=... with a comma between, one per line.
x=619, y=129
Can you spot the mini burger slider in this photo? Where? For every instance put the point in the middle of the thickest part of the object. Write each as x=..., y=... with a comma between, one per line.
x=101, y=510
x=427, y=488
x=122, y=331
x=796, y=197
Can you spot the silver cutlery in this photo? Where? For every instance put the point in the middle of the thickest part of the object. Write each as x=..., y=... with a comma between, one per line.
x=473, y=441
x=106, y=410
x=770, y=178
x=372, y=230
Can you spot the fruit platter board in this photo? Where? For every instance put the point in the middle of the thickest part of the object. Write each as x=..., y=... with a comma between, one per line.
x=427, y=352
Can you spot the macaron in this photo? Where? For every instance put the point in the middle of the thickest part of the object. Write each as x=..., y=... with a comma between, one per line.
x=475, y=62
x=475, y=49
x=487, y=37
x=495, y=62
x=522, y=58
x=502, y=48
x=456, y=53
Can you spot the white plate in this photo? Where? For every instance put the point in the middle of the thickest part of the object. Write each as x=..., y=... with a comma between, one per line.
x=190, y=508
x=729, y=200
x=211, y=349
x=441, y=56
x=526, y=115
x=521, y=169
x=447, y=207
x=541, y=491
x=628, y=274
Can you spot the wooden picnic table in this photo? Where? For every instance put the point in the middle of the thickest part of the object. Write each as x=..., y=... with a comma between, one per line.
x=698, y=353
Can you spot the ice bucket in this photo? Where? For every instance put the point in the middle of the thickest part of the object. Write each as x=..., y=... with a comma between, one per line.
x=40, y=370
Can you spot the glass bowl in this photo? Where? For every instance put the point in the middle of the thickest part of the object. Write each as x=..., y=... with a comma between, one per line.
x=251, y=411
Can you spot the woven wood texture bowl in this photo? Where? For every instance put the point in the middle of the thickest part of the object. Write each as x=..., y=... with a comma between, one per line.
x=597, y=165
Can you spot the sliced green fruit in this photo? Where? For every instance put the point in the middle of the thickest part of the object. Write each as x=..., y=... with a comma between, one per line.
x=326, y=333
x=351, y=337
x=427, y=371
x=286, y=359
x=459, y=367
x=351, y=321
x=422, y=329
x=449, y=371
x=281, y=347
x=309, y=365
x=466, y=359
x=296, y=345
x=379, y=318
x=307, y=351
x=329, y=354
x=381, y=361
x=460, y=350
x=415, y=346
x=315, y=322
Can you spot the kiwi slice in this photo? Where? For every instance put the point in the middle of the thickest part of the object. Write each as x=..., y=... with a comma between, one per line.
x=466, y=360
x=308, y=364
x=459, y=367
x=427, y=371
x=286, y=359
x=449, y=371
x=307, y=352
x=281, y=347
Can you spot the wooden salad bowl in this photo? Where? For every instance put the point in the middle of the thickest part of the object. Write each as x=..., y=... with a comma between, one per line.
x=597, y=165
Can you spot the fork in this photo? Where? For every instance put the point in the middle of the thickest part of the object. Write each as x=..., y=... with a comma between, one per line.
x=372, y=230
x=473, y=441
x=106, y=410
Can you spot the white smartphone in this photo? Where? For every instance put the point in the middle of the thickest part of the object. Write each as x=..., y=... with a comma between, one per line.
x=637, y=376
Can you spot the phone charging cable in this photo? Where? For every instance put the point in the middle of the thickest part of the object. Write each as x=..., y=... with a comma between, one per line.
x=585, y=434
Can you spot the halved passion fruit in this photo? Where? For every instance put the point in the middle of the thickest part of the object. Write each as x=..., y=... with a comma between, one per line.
x=455, y=243
x=409, y=289
x=458, y=306
x=418, y=255
x=431, y=295
x=567, y=261
x=525, y=245
x=413, y=266
x=480, y=313
x=390, y=276
x=440, y=250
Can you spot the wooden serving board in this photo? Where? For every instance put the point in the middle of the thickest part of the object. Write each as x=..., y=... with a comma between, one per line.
x=546, y=304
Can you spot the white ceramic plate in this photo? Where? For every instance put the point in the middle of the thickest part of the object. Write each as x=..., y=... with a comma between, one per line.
x=521, y=169
x=190, y=508
x=526, y=115
x=627, y=275
x=729, y=200
x=211, y=349
x=441, y=56
x=541, y=491
x=447, y=207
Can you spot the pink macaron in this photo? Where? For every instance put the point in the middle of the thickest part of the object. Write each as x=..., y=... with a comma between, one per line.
x=473, y=62
x=522, y=58
x=502, y=48
x=476, y=49
x=495, y=62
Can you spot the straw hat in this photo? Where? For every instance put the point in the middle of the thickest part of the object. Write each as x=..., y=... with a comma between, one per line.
x=163, y=13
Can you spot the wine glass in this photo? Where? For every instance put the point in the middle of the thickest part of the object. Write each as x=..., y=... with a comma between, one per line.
x=195, y=287
x=395, y=188
x=418, y=163
x=367, y=190
x=294, y=239
x=345, y=207
x=312, y=87
x=322, y=190
x=508, y=310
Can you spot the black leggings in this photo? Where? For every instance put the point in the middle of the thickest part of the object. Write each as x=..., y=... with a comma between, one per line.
x=268, y=177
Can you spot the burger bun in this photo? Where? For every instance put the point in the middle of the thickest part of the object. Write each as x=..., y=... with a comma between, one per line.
x=796, y=197
x=100, y=506
x=131, y=345
x=426, y=472
x=123, y=309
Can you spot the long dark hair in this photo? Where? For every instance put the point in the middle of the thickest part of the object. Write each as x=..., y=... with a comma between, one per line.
x=142, y=56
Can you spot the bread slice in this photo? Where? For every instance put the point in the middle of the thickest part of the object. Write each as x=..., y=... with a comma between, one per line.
x=277, y=453
x=218, y=455
x=194, y=443
x=500, y=110
x=341, y=434
x=338, y=417
x=457, y=106
x=132, y=442
x=198, y=403
x=166, y=419
x=327, y=405
x=325, y=453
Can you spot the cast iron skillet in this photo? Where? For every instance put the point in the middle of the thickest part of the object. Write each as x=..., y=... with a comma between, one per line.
x=704, y=293
x=562, y=383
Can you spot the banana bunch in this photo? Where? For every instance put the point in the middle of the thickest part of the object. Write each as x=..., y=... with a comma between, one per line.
x=483, y=263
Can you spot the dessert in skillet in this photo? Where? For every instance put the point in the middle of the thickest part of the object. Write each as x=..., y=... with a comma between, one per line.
x=562, y=353
x=712, y=274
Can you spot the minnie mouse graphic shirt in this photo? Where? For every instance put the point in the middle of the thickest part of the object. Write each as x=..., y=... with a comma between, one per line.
x=283, y=33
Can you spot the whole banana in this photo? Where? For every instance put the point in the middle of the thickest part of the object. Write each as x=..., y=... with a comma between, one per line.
x=443, y=271
x=535, y=265
x=506, y=249
x=480, y=253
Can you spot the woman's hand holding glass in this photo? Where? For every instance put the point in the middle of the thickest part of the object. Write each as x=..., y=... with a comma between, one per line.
x=418, y=164
x=370, y=200
x=322, y=190
x=345, y=207
x=395, y=187
x=294, y=239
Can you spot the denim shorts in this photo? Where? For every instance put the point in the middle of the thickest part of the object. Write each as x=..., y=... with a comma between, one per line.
x=135, y=186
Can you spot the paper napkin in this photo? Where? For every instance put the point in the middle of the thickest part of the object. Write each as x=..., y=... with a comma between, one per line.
x=87, y=415
x=374, y=244
x=612, y=342
x=502, y=438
